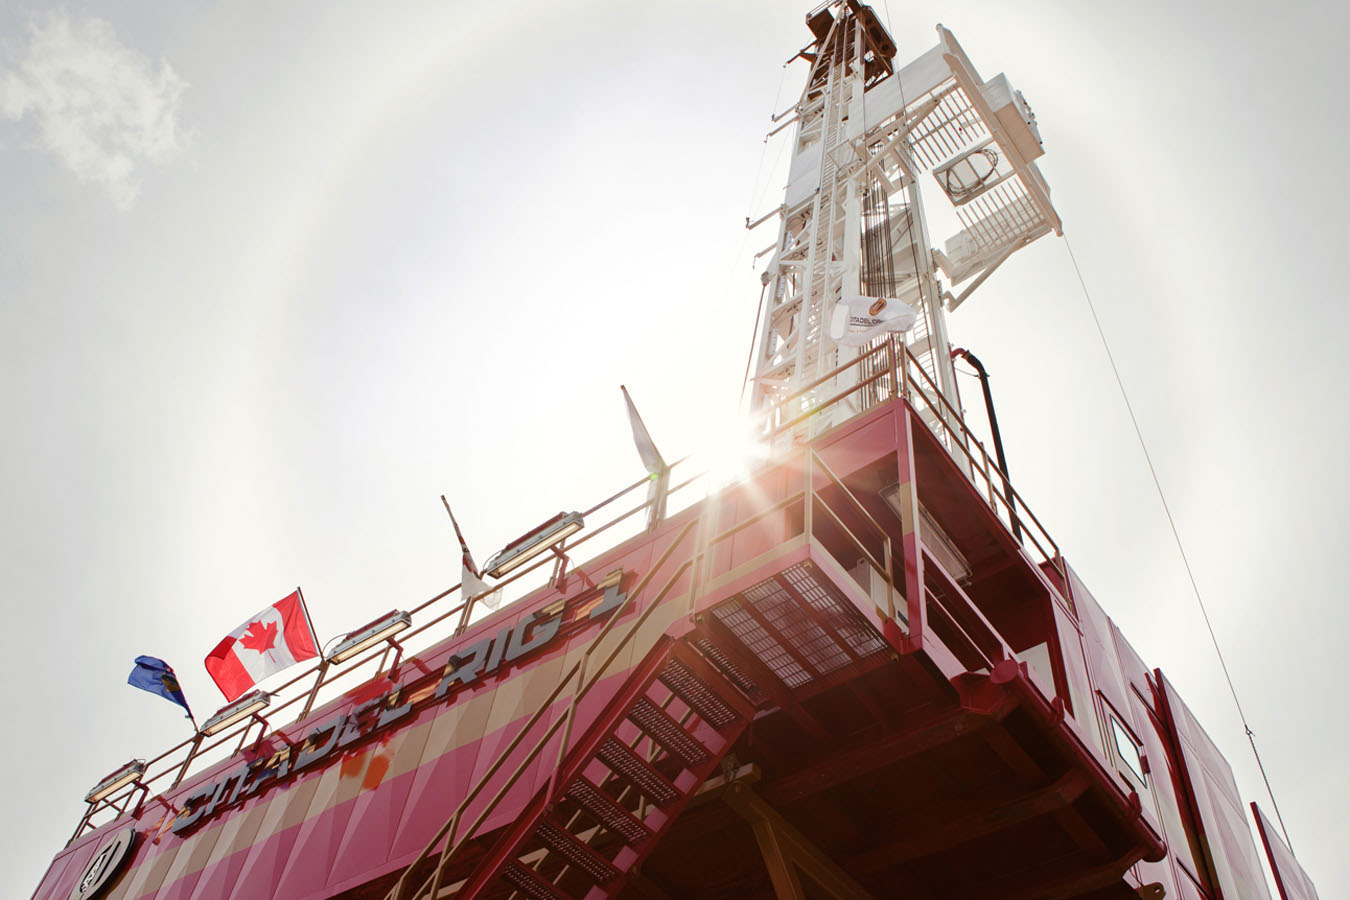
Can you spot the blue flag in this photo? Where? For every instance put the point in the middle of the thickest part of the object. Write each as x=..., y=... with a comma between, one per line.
x=156, y=676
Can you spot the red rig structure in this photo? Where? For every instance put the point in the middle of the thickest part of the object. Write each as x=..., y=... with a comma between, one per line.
x=865, y=670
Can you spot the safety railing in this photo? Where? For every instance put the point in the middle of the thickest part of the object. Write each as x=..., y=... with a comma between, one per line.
x=887, y=371
x=435, y=620
x=958, y=622
x=582, y=678
x=883, y=372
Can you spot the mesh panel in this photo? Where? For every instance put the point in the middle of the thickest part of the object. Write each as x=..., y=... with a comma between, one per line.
x=529, y=884
x=576, y=854
x=761, y=644
x=604, y=810
x=843, y=617
x=780, y=604
x=624, y=762
x=723, y=663
x=667, y=732
x=794, y=626
x=697, y=695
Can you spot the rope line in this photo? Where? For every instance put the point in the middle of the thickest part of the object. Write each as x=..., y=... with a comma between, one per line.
x=1176, y=536
x=756, y=190
x=750, y=357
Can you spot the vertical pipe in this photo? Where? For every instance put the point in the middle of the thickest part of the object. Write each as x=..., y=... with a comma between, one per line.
x=998, y=439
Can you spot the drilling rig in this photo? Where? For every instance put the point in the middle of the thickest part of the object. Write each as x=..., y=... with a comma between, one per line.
x=863, y=671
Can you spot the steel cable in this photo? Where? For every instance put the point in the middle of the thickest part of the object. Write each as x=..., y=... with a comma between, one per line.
x=1176, y=536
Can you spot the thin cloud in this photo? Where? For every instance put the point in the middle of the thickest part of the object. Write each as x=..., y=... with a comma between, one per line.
x=102, y=107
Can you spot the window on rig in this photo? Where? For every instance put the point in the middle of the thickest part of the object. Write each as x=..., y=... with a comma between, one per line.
x=1128, y=750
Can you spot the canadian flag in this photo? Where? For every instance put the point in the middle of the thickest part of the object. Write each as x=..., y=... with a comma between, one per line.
x=275, y=638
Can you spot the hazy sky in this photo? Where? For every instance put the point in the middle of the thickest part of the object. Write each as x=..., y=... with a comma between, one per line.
x=275, y=276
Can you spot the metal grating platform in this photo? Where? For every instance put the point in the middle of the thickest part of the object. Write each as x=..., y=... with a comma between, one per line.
x=798, y=625
x=841, y=615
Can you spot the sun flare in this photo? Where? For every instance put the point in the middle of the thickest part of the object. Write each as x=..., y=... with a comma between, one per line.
x=728, y=453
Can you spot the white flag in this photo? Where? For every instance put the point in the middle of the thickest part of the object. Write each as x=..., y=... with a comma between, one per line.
x=858, y=319
x=471, y=583
x=646, y=447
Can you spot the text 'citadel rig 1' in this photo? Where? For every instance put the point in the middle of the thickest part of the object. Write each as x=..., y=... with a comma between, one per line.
x=863, y=671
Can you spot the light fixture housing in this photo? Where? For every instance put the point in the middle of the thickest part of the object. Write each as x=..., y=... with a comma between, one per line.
x=530, y=545
x=124, y=776
x=935, y=538
x=369, y=635
x=242, y=708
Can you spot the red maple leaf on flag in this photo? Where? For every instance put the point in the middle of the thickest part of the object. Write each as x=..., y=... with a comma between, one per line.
x=259, y=637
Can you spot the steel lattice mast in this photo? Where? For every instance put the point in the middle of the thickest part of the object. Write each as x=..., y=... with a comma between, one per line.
x=853, y=220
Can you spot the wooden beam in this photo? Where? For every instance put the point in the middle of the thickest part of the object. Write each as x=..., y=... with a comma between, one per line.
x=782, y=873
x=787, y=850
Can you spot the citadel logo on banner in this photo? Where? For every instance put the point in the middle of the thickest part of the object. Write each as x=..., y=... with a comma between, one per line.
x=858, y=319
x=274, y=639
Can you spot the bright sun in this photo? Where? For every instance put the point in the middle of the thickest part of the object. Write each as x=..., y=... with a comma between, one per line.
x=728, y=453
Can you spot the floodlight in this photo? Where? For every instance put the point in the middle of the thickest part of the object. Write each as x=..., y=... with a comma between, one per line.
x=525, y=548
x=370, y=635
x=242, y=708
x=124, y=776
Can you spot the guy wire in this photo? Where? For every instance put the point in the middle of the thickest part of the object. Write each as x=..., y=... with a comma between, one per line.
x=1176, y=536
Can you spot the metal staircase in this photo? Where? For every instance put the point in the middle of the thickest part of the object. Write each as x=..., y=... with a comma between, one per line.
x=615, y=788
x=626, y=780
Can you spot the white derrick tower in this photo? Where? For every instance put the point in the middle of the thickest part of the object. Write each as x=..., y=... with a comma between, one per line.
x=853, y=222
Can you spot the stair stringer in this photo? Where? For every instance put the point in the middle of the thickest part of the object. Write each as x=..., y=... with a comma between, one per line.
x=502, y=866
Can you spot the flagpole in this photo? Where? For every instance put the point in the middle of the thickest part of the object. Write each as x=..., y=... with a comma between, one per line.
x=313, y=635
x=652, y=460
x=463, y=545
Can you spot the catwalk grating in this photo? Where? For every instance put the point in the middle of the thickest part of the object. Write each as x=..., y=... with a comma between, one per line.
x=799, y=626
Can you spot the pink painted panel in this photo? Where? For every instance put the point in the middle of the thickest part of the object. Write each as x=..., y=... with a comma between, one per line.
x=368, y=810
x=1215, y=795
x=1292, y=882
x=65, y=869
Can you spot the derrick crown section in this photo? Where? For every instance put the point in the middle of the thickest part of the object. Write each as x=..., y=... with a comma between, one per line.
x=853, y=223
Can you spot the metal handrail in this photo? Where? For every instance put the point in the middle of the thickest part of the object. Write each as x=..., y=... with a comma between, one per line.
x=869, y=519
x=1013, y=501
x=450, y=833
x=167, y=770
x=950, y=585
x=578, y=668
x=902, y=384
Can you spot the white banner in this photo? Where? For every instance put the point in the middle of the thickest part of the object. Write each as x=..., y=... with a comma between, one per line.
x=858, y=319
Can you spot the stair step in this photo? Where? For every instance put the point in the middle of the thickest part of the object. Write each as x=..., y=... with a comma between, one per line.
x=701, y=699
x=627, y=764
x=667, y=732
x=728, y=669
x=577, y=854
x=528, y=882
x=608, y=813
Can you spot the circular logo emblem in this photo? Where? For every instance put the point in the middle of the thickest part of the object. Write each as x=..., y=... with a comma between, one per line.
x=877, y=306
x=105, y=865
